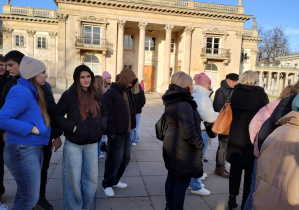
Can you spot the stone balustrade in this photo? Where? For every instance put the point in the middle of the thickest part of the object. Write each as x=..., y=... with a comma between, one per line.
x=89, y=43
x=33, y=12
x=215, y=53
x=191, y=5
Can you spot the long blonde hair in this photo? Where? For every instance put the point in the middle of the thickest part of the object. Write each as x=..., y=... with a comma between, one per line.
x=135, y=88
x=41, y=101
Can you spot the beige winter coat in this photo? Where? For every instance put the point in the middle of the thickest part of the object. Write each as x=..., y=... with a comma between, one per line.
x=277, y=180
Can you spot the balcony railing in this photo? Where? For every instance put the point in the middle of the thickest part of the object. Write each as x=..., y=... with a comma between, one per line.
x=217, y=53
x=191, y=5
x=33, y=12
x=100, y=44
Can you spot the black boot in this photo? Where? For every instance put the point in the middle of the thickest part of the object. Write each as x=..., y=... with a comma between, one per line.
x=232, y=202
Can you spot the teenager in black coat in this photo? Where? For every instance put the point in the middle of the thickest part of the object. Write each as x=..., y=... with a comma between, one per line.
x=183, y=145
x=246, y=101
x=121, y=119
x=83, y=126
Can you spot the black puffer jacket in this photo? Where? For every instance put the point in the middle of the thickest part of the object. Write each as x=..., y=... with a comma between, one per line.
x=139, y=100
x=221, y=95
x=88, y=131
x=283, y=108
x=7, y=88
x=3, y=80
x=118, y=117
x=182, y=146
x=246, y=101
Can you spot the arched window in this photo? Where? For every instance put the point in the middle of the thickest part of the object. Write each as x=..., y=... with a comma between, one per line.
x=93, y=63
x=211, y=71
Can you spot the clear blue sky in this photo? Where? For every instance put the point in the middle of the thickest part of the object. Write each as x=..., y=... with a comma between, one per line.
x=268, y=13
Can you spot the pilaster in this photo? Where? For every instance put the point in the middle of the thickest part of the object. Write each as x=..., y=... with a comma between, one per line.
x=120, y=45
x=142, y=27
x=30, y=34
x=187, y=59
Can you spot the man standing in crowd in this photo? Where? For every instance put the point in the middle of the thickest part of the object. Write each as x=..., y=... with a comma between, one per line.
x=121, y=119
x=12, y=60
x=221, y=95
x=4, y=78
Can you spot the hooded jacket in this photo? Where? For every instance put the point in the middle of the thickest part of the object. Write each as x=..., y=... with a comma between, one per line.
x=120, y=105
x=221, y=95
x=246, y=101
x=182, y=145
x=277, y=184
x=21, y=113
x=204, y=104
x=88, y=131
x=257, y=122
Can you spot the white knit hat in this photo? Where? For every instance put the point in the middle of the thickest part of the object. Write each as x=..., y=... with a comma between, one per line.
x=30, y=67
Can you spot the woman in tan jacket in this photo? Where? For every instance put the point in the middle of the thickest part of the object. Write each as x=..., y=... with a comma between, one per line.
x=277, y=183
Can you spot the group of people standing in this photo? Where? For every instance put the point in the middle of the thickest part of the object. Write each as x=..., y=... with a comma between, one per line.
x=32, y=123
x=262, y=143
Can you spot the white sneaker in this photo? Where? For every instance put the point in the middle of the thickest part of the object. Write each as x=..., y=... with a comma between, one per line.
x=202, y=191
x=205, y=175
x=3, y=207
x=134, y=144
x=202, y=178
x=101, y=156
x=109, y=191
x=120, y=185
x=202, y=186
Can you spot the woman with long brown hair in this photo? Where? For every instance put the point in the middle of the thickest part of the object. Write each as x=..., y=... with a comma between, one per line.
x=83, y=127
x=25, y=119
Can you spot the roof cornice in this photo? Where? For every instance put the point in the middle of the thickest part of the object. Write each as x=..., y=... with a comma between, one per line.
x=15, y=17
x=160, y=8
x=252, y=39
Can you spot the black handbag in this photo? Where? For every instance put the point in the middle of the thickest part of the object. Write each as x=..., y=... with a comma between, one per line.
x=161, y=127
x=209, y=131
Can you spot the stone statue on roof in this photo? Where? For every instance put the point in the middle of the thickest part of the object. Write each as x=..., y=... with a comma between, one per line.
x=240, y=3
x=8, y=1
x=254, y=23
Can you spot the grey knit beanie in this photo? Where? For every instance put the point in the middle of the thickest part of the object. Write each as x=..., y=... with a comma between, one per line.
x=181, y=79
x=30, y=67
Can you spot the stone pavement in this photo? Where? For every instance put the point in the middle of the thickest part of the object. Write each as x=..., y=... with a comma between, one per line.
x=145, y=175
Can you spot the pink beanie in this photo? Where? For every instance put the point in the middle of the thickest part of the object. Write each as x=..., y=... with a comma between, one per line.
x=201, y=79
x=106, y=75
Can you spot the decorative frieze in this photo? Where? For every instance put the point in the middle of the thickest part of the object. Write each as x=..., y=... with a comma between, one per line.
x=93, y=18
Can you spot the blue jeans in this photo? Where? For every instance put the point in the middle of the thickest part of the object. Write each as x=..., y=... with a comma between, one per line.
x=248, y=204
x=117, y=159
x=24, y=163
x=175, y=190
x=104, y=137
x=79, y=175
x=196, y=183
x=134, y=134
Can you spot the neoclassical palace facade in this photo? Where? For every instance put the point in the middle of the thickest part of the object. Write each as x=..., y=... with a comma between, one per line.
x=155, y=38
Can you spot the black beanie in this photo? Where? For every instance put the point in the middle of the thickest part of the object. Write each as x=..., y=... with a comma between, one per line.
x=232, y=76
x=81, y=68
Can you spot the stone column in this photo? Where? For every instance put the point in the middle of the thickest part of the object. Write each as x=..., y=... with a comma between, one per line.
x=286, y=80
x=61, y=67
x=52, y=68
x=269, y=80
x=272, y=82
x=120, y=46
x=278, y=81
x=168, y=29
x=261, y=79
x=7, y=39
x=188, y=30
x=141, y=52
x=30, y=43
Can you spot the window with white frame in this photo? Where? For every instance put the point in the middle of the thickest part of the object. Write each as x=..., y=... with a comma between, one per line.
x=150, y=43
x=91, y=34
x=93, y=63
x=42, y=42
x=128, y=45
x=172, y=45
x=213, y=45
x=19, y=41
